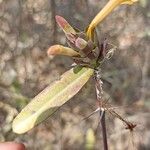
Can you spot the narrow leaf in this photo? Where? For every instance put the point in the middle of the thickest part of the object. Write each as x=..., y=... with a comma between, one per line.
x=50, y=99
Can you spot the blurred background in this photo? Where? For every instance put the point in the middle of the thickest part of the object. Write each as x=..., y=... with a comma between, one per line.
x=28, y=29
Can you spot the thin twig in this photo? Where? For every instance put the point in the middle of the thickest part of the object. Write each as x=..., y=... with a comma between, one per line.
x=91, y=114
x=128, y=124
x=53, y=11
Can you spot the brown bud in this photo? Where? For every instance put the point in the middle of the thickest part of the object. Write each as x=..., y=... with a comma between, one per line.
x=66, y=27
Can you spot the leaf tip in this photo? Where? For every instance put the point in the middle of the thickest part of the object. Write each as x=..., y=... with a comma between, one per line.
x=15, y=128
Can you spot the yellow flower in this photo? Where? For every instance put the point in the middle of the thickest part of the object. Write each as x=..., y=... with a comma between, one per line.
x=112, y=4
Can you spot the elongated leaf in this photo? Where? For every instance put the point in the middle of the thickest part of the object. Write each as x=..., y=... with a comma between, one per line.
x=55, y=95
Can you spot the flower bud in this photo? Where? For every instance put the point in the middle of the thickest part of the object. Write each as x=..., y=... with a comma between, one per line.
x=61, y=50
x=66, y=27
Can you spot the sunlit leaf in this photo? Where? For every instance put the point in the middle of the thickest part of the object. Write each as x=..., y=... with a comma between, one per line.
x=50, y=99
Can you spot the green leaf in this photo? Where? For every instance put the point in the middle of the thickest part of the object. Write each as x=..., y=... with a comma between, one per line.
x=50, y=99
x=77, y=68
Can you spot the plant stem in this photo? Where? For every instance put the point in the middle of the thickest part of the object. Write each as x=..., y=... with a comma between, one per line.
x=99, y=94
x=104, y=131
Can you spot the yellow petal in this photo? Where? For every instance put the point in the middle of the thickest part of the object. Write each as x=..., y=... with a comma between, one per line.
x=111, y=5
x=129, y=2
